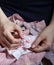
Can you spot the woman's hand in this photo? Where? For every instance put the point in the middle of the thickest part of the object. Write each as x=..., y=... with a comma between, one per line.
x=44, y=40
x=6, y=37
x=8, y=29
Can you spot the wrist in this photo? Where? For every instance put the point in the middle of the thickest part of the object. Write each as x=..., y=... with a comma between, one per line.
x=3, y=17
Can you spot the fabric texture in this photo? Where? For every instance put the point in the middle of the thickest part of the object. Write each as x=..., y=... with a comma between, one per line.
x=30, y=58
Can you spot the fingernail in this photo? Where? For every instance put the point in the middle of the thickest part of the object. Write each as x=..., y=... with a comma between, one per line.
x=33, y=46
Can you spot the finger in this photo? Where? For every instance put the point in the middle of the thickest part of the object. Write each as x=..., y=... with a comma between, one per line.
x=14, y=46
x=41, y=48
x=37, y=41
x=19, y=31
x=9, y=45
x=17, y=41
x=11, y=38
x=1, y=43
x=6, y=43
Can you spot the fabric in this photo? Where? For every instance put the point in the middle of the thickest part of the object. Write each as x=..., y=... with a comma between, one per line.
x=30, y=58
x=30, y=10
x=23, y=49
x=50, y=55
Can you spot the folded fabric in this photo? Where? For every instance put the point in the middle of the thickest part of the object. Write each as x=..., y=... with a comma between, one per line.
x=22, y=54
x=31, y=31
x=26, y=43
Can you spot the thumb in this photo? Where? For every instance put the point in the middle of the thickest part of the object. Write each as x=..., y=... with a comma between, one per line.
x=38, y=40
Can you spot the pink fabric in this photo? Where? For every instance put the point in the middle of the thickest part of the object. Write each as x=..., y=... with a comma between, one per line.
x=30, y=58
